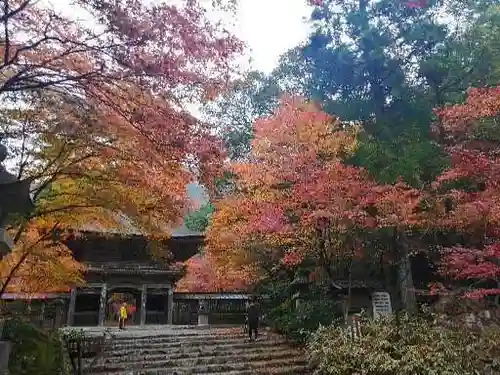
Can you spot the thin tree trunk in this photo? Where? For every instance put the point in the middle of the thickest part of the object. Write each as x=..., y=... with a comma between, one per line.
x=497, y=297
x=406, y=286
x=349, y=295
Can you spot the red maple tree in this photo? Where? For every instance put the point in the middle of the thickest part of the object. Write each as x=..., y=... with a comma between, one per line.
x=470, y=190
x=134, y=64
x=298, y=200
x=294, y=194
x=409, y=4
x=99, y=87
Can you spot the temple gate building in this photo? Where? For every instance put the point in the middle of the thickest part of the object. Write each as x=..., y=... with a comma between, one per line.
x=124, y=265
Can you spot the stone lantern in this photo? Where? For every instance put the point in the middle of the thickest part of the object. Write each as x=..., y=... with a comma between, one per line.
x=14, y=199
x=300, y=287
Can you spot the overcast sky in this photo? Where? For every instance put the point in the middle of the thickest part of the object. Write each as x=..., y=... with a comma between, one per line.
x=270, y=28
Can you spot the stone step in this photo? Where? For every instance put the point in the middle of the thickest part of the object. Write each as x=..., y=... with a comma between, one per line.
x=208, y=342
x=194, y=368
x=185, y=337
x=284, y=370
x=185, y=359
x=189, y=351
x=184, y=340
x=209, y=351
x=171, y=331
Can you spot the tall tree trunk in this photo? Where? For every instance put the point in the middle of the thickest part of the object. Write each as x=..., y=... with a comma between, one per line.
x=405, y=278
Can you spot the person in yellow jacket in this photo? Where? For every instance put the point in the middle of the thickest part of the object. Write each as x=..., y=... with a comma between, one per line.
x=122, y=316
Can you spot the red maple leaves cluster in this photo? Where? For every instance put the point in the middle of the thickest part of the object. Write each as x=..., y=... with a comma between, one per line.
x=472, y=183
x=101, y=86
x=129, y=72
x=203, y=277
x=473, y=264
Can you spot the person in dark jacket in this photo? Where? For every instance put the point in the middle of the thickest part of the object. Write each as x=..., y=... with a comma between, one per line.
x=253, y=315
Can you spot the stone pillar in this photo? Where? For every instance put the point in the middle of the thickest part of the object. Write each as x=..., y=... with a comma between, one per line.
x=144, y=298
x=170, y=305
x=102, y=304
x=71, y=308
x=381, y=304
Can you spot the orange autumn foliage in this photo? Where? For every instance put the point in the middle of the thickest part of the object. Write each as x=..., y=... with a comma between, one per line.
x=114, y=86
x=101, y=128
x=295, y=180
x=85, y=189
x=38, y=264
x=297, y=197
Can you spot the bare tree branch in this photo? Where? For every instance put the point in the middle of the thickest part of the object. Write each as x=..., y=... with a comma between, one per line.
x=10, y=14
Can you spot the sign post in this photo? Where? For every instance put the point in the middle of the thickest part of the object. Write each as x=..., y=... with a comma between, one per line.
x=381, y=302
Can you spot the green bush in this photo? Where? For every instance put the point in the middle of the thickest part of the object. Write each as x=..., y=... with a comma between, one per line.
x=297, y=323
x=34, y=352
x=404, y=346
x=282, y=315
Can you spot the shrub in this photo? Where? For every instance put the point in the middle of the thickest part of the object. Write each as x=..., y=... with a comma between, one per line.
x=34, y=352
x=298, y=323
x=282, y=315
x=403, y=346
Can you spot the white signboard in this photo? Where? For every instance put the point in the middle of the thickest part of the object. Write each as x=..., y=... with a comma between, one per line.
x=381, y=302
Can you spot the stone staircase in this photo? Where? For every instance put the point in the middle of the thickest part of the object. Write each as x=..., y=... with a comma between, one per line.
x=210, y=351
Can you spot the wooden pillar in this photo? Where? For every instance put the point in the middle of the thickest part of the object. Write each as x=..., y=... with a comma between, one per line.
x=59, y=315
x=71, y=308
x=102, y=304
x=144, y=298
x=170, y=304
x=42, y=315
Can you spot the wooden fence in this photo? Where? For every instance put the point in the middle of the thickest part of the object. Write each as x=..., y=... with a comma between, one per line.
x=221, y=308
x=42, y=314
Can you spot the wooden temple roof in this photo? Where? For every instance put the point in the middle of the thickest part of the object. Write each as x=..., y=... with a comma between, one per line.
x=126, y=236
x=125, y=226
